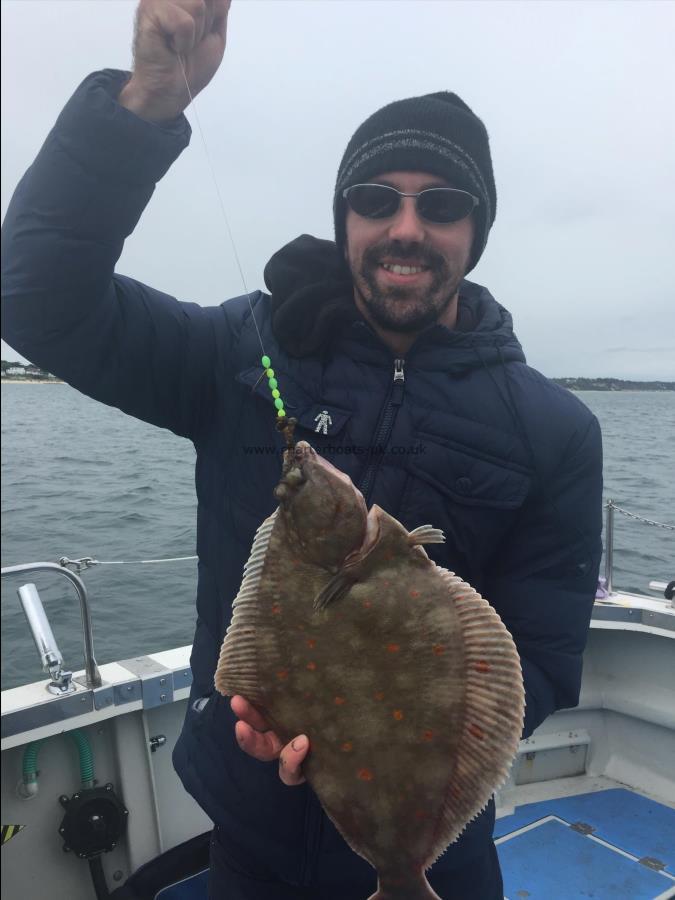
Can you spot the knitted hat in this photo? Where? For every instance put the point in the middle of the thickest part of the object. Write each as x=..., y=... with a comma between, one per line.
x=436, y=133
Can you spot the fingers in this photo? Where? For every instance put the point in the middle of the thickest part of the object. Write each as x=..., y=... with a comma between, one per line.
x=256, y=738
x=291, y=759
x=264, y=746
x=220, y=10
x=247, y=713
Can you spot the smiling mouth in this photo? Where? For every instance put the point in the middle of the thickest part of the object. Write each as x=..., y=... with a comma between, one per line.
x=396, y=269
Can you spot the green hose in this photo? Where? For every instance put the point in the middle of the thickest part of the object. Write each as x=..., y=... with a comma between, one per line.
x=30, y=761
x=30, y=755
x=86, y=757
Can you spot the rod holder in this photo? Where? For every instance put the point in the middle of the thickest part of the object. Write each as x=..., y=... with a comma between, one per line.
x=92, y=674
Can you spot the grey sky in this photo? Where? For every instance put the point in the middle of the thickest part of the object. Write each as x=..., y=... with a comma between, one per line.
x=577, y=97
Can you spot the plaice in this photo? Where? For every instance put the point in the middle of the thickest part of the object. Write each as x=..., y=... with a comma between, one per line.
x=405, y=679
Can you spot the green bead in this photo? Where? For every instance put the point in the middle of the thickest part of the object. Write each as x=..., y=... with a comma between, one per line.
x=270, y=373
x=266, y=361
x=273, y=384
x=281, y=413
x=275, y=393
x=279, y=403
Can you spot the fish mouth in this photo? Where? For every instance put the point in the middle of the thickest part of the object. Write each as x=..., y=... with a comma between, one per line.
x=294, y=474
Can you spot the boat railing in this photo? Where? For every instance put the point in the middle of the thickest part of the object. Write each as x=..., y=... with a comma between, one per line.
x=668, y=588
x=43, y=636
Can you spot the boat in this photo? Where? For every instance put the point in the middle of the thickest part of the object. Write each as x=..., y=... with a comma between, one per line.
x=588, y=809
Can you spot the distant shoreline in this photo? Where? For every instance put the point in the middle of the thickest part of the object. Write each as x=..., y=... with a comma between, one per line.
x=32, y=381
x=574, y=385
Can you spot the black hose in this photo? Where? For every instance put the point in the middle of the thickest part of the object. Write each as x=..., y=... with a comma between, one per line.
x=98, y=877
x=669, y=592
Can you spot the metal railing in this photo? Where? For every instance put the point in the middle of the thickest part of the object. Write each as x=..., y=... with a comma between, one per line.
x=42, y=633
x=610, y=508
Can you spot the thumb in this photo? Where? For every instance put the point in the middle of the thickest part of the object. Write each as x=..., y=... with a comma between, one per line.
x=291, y=759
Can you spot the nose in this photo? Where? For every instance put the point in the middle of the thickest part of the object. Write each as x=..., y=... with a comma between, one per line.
x=406, y=225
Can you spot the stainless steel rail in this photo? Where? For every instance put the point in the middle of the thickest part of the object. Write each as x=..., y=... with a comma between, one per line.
x=92, y=675
x=610, y=506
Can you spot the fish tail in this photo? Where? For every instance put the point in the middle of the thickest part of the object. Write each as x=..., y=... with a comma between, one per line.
x=404, y=889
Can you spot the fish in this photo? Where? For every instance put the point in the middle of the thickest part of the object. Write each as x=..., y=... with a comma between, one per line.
x=404, y=678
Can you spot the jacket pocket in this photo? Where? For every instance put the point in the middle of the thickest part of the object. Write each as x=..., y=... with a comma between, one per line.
x=474, y=500
x=468, y=478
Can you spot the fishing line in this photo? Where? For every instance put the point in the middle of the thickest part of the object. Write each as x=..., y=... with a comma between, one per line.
x=265, y=360
x=220, y=197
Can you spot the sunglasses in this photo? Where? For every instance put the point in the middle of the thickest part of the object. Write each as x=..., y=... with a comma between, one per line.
x=439, y=205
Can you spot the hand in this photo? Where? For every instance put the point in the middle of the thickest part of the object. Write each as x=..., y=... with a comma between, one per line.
x=257, y=739
x=195, y=30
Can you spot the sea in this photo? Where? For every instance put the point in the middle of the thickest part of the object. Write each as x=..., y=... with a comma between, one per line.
x=80, y=479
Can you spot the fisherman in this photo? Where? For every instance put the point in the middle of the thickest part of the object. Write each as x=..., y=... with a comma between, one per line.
x=405, y=374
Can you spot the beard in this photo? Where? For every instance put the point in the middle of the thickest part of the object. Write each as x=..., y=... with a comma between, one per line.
x=403, y=308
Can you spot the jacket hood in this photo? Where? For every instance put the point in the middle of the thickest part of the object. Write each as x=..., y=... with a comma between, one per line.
x=312, y=307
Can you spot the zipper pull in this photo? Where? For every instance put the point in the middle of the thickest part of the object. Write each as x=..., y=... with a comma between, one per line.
x=399, y=382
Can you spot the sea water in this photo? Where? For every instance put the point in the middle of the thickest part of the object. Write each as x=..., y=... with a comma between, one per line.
x=83, y=479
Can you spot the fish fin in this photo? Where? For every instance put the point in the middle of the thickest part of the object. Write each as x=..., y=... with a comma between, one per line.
x=426, y=534
x=493, y=714
x=335, y=590
x=236, y=672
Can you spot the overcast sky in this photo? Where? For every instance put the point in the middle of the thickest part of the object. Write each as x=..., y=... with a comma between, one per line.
x=578, y=99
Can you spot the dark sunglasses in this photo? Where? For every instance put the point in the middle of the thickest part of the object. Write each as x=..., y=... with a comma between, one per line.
x=439, y=205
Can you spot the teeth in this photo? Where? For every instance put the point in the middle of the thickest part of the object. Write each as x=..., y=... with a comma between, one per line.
x=403, y=270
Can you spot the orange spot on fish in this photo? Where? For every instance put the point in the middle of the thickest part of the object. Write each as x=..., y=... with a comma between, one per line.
x=365, y=775
x=455, y=792
x=296, y=562
x=422, y=814
x=428, y=735
x=311, y=666
x=414, y=594
x=311, y=643
x=389, y=555
x=482, y=666
x=477, y=731
x=276, y=609
x=393, y=648
x=282, y=674
x=379, y=695
x=438, y=649
x=339, y=701
x=398, y=714
x=347, y=747
x=367, y=604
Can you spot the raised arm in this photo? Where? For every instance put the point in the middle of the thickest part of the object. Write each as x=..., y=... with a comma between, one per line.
x=63, y=306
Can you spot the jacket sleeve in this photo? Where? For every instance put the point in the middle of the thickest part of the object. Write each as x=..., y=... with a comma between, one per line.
x=111, y=337
x=544, y=580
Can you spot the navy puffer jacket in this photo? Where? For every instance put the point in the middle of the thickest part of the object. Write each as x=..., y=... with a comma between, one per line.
x=462, y=434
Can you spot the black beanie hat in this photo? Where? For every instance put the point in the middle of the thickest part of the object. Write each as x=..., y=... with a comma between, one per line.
x=436, y=133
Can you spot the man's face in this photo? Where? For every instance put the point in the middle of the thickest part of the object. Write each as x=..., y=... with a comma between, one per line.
x=412, y=302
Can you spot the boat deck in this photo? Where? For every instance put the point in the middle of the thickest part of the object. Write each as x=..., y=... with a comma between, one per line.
x=607, y=845
x=611, y=844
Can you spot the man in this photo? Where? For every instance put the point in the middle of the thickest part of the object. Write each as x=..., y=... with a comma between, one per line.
x=408, y=376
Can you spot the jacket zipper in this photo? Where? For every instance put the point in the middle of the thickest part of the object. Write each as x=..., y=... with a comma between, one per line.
x=383, y=433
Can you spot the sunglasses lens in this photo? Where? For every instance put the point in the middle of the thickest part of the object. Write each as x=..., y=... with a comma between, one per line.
x=374, y=201
x=444, y=205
